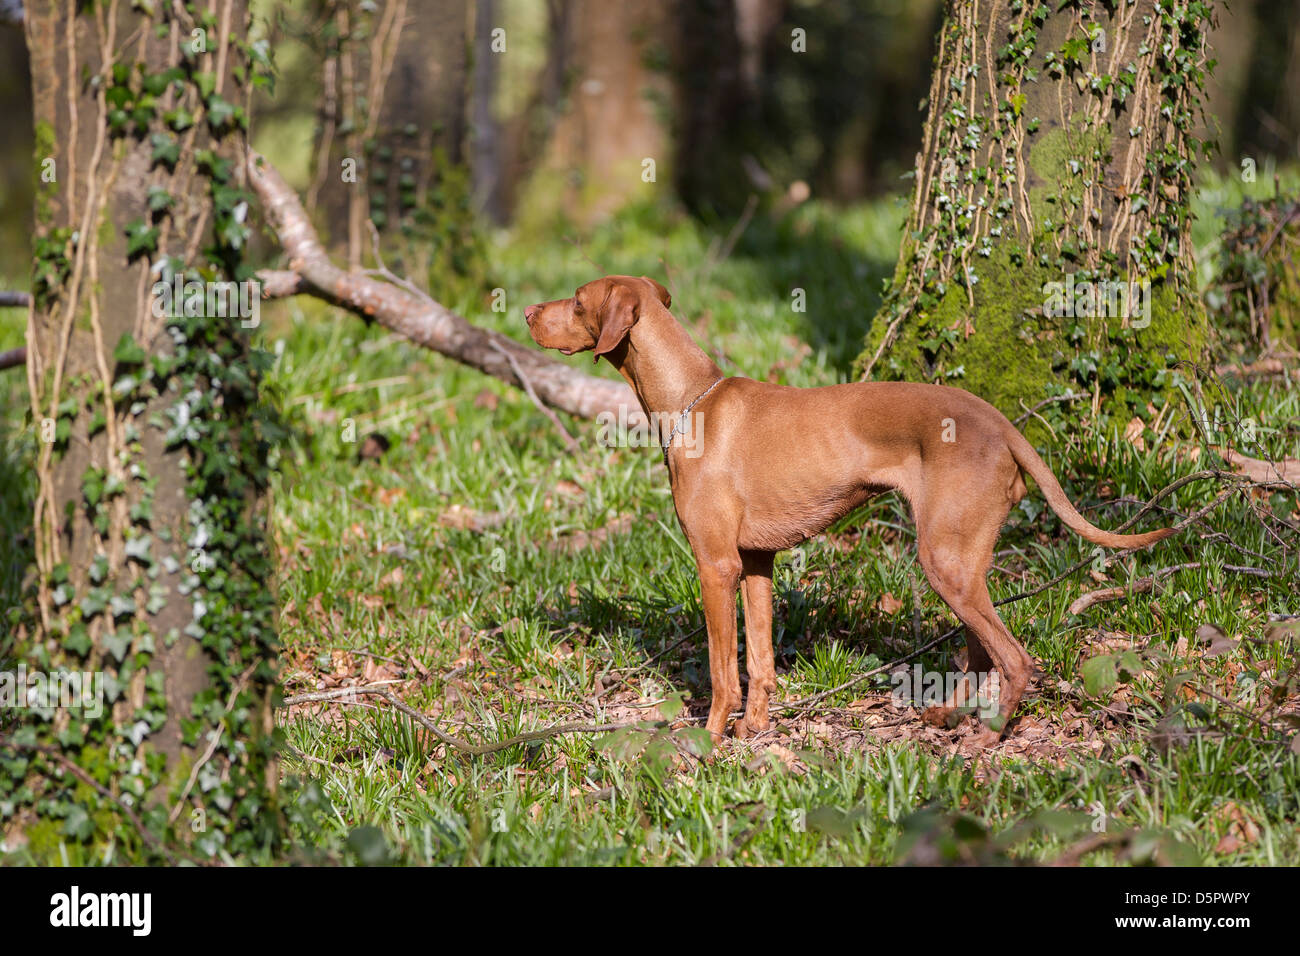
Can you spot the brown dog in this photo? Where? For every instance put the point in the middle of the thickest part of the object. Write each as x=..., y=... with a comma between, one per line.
x=772, y=466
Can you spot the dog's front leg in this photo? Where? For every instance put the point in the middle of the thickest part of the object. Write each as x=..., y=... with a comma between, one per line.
x=719, y=577
x=759, y=660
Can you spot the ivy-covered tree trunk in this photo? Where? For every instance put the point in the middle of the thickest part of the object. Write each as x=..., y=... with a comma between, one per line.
x=153, y=573
x=391, y=138
x=1048, y=247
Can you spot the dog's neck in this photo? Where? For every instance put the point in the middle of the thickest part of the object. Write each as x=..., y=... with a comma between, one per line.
x=662, y=363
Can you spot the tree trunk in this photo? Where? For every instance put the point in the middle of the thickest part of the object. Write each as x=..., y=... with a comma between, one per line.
x=611, y=145
x=1057, y=156
x=152, y=561
x=15, y=152
x=391, y=141
x=485, y=129
x=1268, y=118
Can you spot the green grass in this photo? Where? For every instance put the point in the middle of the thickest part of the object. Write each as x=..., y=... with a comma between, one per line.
x=554, y=586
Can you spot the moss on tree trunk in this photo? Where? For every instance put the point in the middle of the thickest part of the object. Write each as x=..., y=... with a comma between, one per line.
x=1057, y=164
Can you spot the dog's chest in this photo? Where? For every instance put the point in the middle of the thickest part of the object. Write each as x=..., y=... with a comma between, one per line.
x=785, y=522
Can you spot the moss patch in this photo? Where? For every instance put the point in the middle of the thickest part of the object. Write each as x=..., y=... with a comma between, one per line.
x=1017, y=354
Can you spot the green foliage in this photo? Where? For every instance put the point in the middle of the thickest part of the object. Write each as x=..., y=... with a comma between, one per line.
x=1255, y=298
x=214, y=422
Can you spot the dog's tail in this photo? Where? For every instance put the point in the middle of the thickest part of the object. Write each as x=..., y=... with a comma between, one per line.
x=1030, y=462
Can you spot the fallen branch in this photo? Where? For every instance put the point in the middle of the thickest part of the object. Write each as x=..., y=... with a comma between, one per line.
x=424, y=321
x=13, y=358
x=397, y=305
x=1284, y=473
x=1262, y=368
x=1146, y=584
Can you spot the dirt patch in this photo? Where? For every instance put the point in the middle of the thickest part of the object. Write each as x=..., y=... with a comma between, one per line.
x=868, y=724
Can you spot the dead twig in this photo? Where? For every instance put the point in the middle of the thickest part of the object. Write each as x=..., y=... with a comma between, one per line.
x=569, y=441
x=240, y=683
x=1146, y=584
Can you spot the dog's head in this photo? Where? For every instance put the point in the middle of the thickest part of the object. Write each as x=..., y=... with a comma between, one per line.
x=598, y=317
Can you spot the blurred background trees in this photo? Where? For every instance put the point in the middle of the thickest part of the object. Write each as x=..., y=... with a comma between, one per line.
x=554, y=116
x=727, y=96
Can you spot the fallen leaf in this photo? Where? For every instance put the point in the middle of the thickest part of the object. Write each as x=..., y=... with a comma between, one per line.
x=1217, y=643
x=1133, y=434
x=570, y=488
x=467, y=519
x=373, y=447
x=386, y=496
x=888, y=604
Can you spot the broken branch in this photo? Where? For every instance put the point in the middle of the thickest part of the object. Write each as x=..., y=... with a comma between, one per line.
x=425, y=321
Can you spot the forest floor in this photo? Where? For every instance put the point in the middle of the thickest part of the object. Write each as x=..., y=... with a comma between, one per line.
x=498, y=583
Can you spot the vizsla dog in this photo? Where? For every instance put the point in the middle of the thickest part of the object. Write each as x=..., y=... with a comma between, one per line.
x=773, y=465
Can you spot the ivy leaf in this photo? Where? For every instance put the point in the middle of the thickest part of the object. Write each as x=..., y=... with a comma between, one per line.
x=166, y=149
x=206, y=81
x=94, y=602
x=78, y=641
x=1099, y=674
x=160, y=199
x=220, y=112
x=117, y=644
x=92, y=486
x=77, y=824
x=128, y=352
x=140, y=239
x=179, y=119
x=121, y=606
x=138, y=548
x=215, y=166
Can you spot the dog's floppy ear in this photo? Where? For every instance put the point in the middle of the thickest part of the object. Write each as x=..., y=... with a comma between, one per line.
x=617, y=316
x=660, y=291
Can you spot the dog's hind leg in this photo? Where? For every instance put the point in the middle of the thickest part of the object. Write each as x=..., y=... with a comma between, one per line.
x=955, y=547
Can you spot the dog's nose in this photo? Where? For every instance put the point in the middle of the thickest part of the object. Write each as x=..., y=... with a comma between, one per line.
x=530, y=313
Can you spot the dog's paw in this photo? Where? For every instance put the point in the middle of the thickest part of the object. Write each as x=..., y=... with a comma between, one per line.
x=746, y=727
x=983, y=739
x=942, y=717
